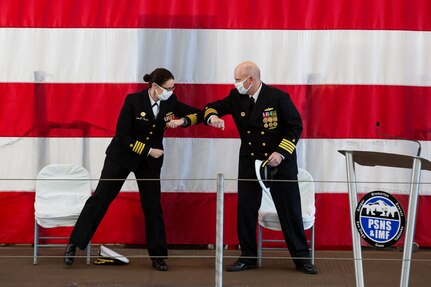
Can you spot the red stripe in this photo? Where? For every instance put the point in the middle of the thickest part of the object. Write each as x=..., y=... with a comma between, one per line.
x=328, y=111
x=222, y=14
x=124, y=221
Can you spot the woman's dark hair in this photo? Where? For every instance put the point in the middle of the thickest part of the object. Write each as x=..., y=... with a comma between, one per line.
x=158, y=76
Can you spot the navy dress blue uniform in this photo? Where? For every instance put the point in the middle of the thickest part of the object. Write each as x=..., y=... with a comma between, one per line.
x=274, y=124
x=137, y=131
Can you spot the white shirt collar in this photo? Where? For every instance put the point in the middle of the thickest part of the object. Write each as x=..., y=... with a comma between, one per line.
x=152, y=101
x=256, y=94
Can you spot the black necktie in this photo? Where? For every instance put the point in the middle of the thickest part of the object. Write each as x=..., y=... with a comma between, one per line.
x=251, y=106
x=155, y=107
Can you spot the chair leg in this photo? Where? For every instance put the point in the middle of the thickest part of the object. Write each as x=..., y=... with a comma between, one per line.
x=312, y=244
x=88, y=253
x=259, y=246
x=36, y=242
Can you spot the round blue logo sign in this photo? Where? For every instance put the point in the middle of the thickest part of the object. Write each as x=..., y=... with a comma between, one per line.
x=380, y=219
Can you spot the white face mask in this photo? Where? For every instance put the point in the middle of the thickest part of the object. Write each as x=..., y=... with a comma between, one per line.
x=165, y=94
x=240, y=87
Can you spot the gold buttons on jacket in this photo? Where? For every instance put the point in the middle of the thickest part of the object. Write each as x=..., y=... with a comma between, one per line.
x=265, y=154
x=249, y=143
x=263, y=144
x=248, y=132
x=252, y=154
x=151, y=133
x=262, y=132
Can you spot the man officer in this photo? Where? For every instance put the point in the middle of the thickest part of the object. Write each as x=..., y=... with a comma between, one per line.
x=269, y=126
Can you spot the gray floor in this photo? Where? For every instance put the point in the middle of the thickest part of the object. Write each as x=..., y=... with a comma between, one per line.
x=196, y=267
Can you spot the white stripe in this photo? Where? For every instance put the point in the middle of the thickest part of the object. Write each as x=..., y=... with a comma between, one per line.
x=326, y=164
x=192, y=164
x=209, y=56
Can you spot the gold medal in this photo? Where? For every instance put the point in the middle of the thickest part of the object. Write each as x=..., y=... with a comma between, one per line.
x=265, y=125
x=274, y=124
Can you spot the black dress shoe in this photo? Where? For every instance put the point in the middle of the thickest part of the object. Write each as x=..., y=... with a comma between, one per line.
x=307, y=268
x=160, y=264
x=69, y=254
x=240, y=266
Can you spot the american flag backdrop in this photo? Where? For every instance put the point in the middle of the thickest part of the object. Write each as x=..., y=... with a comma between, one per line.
x=66, y=67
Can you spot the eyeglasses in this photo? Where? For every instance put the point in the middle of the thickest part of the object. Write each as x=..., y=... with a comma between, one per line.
x=167, y=89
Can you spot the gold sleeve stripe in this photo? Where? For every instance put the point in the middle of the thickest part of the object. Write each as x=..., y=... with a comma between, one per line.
x=290, y=150
x=210, y=111
x=193, y=119
x=135, y=147
x=285, y=141
x=287, y=145
x=141, y=148
x=138, y=147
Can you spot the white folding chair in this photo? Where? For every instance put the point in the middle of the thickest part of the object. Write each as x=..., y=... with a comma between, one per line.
x=268, y=217
x=61, y=192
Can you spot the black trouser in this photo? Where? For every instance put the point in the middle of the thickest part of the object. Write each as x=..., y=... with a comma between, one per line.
x=287, y=201
x=96, y=206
